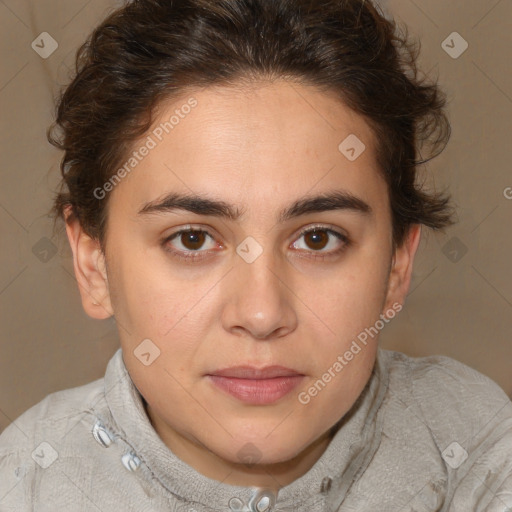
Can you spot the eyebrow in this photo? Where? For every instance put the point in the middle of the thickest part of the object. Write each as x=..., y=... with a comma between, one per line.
x=336, y=200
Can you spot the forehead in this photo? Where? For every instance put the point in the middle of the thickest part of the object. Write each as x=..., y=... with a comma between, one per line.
x=254, y=145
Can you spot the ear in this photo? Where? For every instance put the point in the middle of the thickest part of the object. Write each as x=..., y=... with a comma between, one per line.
x=90, y=269
x=401, y=268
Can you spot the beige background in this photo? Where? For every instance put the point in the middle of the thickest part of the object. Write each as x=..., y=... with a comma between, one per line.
x=462, y=308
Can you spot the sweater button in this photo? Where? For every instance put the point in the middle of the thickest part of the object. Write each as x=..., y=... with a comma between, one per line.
x=130, y=461
x=236, y=505
x=262, y=501
x=102, y=435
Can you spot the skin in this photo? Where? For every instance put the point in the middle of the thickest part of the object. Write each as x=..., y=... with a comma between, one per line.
x=259, y=148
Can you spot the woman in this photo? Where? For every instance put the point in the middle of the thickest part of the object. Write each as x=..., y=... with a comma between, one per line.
x=239, y=190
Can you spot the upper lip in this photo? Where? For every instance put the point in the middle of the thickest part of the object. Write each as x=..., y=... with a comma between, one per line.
x=250, y=372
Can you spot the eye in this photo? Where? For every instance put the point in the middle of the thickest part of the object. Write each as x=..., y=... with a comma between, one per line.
x=322, y=239
x=187, y=241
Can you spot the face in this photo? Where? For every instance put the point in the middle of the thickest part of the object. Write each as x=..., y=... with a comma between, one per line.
x=283, y=280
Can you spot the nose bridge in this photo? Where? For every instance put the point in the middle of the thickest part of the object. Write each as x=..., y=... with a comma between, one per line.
x=260, y=270
x=259, y=301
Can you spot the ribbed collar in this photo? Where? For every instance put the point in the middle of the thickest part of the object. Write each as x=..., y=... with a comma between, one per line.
x=346, y=457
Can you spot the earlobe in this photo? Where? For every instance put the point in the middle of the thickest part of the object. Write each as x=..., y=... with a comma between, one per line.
x=401, y=268
x=90, y=269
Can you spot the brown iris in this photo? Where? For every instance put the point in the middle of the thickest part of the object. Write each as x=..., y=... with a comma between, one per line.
x=192, y=239
x=319, y=239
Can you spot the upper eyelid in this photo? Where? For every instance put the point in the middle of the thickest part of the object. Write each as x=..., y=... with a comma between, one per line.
x=324, y=227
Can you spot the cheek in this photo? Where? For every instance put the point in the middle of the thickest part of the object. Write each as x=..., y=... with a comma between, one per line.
x=351, y=298
x=141, y=302
x=153, y=300
x=350, y=307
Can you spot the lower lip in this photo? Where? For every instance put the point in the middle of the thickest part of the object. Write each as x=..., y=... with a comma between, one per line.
x=257, y=391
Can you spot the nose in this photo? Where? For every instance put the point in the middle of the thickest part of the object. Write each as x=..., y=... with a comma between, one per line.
x=260, y=299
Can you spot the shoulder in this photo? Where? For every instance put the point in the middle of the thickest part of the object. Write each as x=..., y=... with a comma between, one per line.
x=32, y=437
x=431, y=368
x=456, y=403
x=56, y=412
x=443, y=380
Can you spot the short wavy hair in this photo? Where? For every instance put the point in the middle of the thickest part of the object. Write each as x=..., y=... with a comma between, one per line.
x=150, y=51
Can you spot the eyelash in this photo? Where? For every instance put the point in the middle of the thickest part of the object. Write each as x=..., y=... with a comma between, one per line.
x=195, y=256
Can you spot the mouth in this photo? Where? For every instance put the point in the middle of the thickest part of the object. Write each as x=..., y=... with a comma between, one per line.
x=256, y=386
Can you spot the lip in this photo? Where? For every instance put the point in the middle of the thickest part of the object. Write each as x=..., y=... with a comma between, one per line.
x=257, y=391
x=251, y=372
x=256, y=386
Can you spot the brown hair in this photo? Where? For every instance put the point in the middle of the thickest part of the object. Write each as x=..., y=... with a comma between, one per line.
x=152, y=50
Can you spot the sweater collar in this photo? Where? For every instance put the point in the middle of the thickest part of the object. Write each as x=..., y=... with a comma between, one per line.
x=349, y=452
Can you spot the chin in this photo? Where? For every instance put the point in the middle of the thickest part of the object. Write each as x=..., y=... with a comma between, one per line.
x=260, y=451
